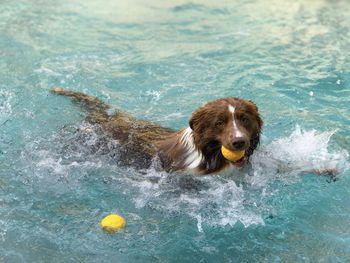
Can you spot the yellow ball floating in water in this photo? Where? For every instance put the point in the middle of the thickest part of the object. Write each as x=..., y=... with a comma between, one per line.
x=232, y=155
x=112, y=223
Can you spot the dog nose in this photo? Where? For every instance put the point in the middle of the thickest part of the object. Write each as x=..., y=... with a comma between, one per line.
x=239, y=143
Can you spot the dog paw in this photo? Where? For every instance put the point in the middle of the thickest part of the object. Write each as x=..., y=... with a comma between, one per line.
x=327, y=172
x=331, y=173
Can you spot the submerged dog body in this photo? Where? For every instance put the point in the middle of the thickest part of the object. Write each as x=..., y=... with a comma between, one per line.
x=230, y=122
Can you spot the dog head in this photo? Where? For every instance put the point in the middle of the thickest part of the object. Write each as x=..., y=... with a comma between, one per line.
x=232, y=122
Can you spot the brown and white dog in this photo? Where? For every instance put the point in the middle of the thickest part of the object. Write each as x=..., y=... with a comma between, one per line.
x=232, y=122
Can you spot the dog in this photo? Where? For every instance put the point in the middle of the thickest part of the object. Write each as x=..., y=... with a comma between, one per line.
x=231, y=122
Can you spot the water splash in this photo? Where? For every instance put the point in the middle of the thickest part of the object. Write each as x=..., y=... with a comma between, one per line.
x=304, y=151
x=221, y=200
x=210, y=201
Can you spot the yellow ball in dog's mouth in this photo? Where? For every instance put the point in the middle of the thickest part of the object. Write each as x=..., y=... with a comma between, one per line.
x=112, y=223
x=232, y=155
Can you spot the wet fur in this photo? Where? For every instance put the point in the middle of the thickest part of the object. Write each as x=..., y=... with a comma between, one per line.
x=196, y=148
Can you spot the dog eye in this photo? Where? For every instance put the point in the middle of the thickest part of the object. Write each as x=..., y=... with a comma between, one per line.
x=244, y=120
x=219, y=123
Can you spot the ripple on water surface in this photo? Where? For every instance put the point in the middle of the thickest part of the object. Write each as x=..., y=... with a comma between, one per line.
x=160, y=61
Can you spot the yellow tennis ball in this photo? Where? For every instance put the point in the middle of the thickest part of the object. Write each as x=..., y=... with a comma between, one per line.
x=232, y=155
x=112, y=223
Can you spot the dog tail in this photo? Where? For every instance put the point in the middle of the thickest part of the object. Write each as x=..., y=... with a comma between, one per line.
x=92, y=103
x=96, y=107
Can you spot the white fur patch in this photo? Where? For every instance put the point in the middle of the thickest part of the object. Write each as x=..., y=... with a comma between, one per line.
x=237, y=131
x=231, y=109
x=193, y=156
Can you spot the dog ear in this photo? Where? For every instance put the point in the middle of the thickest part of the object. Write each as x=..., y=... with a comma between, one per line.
x=255, y=140
x=260, y=121
x=198, y=116
x=253, y=105
x=255, y=110
x=193, y=120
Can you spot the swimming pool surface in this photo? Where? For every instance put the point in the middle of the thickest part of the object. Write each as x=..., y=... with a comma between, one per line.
x=159, y=60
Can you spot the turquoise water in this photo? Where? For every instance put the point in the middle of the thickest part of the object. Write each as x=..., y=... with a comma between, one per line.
x=159, y=61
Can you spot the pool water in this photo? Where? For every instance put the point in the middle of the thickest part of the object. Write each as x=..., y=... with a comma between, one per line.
x=158, y=60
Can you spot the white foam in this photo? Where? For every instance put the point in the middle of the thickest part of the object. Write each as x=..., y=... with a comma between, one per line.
x=154, y=95
x=219, y=201
x=5, y=103
x=214, y=201
x=3, y=229
x=199, y=223
x=301, y=152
